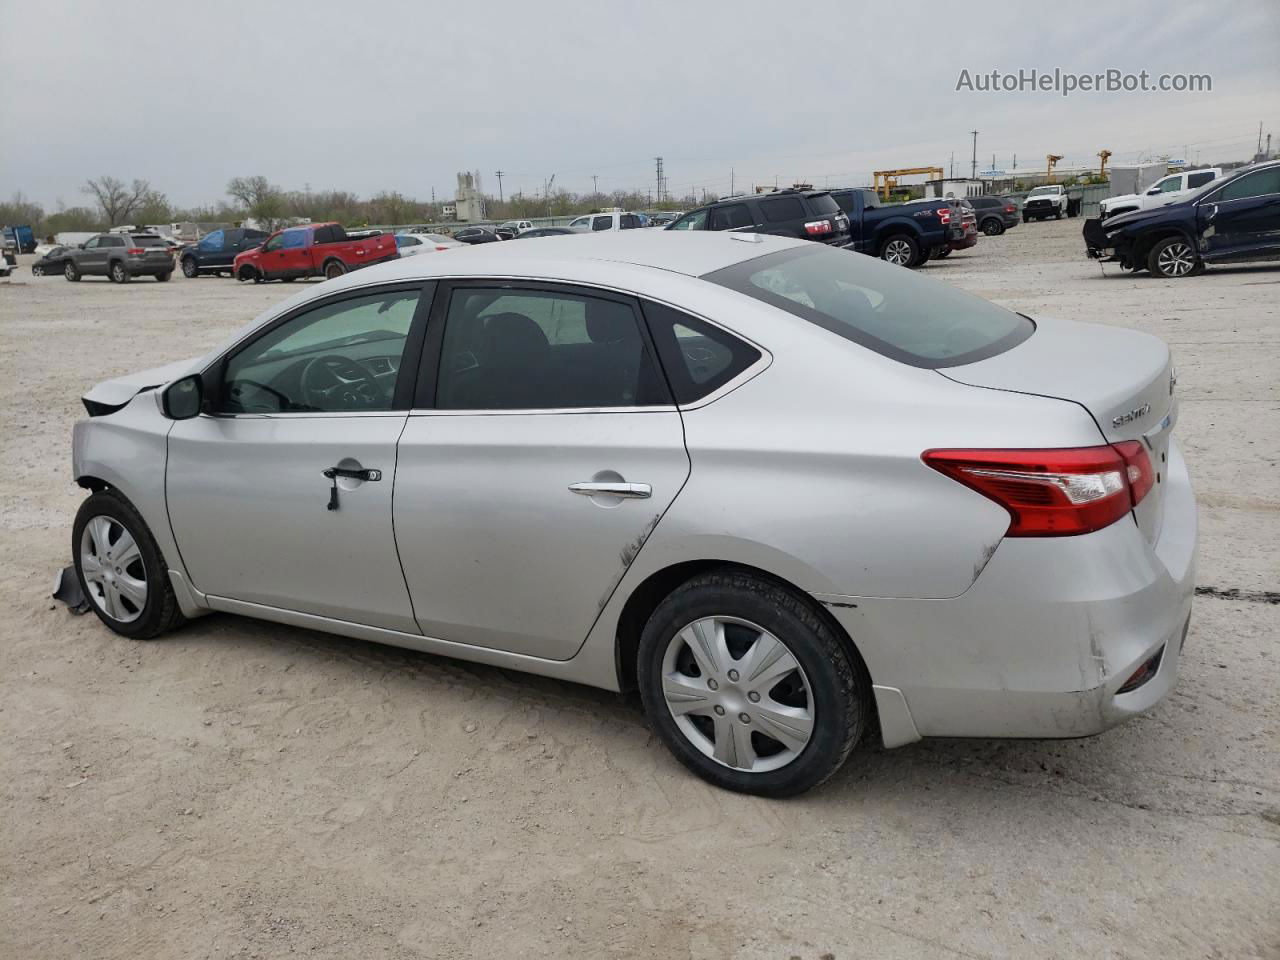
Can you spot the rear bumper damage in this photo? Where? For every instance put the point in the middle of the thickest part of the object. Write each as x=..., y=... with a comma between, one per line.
x=1047, y=641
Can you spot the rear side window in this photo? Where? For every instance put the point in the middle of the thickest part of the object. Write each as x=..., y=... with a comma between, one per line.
x=602, y=223
x=628, y=222
x=907, y=318
x=148, y=242
x=1199, y=179
x=844, y=201
x=730, y=216
x=1253, y=185
x=783, y=208
x=824, y=204
x=697, y=357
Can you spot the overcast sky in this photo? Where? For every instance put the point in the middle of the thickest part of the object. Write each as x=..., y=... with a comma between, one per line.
x=402, y=94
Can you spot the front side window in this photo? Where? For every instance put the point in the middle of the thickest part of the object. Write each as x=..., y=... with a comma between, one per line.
x=92, y=243
x=602, y=223
x=342, y=356
x=730, y=216
x=1255, y=184
x=273, y=243
x=508, y=349
x=212, y=242
x=293, y=239
x=580, y=223
x=1168, y=185
x=890, y=311
x=691, y=221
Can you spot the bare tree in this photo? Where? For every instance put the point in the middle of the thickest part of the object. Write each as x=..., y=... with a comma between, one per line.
x=116, y=200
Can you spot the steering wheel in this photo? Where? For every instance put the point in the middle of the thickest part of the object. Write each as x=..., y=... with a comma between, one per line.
x=332, y=382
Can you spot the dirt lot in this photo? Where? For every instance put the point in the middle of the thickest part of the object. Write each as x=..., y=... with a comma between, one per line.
x=240, y=789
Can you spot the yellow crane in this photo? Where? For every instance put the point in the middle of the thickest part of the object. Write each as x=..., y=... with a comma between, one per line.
x=1104, y=156
x=1053, y=159
x=886, y=181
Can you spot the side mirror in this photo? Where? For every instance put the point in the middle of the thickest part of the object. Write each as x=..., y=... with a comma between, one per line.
x=182, y=399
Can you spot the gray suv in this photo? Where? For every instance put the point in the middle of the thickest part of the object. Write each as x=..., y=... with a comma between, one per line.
x=121, y=257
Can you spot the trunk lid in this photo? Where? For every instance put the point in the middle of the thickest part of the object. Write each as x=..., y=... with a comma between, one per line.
x=1123, y=378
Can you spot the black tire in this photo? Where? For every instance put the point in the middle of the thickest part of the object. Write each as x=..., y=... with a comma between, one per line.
x=37, y=270
x=837, y=679
x=993, y=226
x=71, y=272
x=118, y=273
x=334, y=269
x=1025, y=218
x=190, y=269
x=288, y=279
x=900, y=249
x=248, y=273
x=941, y=253
x=159, y=612
x=164, y=277
x=1057, y=214
x=1174, y=258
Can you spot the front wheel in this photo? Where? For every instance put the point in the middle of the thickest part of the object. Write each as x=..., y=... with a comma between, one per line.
x=189, y=268
x=1174, y=257
x=71, y=272
x=900, y=249
x=164, y=277
x=37, y=270
x=749, y=686
x=120, y=568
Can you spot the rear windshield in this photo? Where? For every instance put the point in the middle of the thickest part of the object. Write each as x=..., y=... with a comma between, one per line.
x=917, y=321
x=147, y=241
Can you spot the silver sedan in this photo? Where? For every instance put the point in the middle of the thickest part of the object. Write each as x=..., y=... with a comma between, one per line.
x=790, y=494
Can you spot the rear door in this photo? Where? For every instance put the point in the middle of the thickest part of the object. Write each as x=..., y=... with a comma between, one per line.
x=542, y=451
x=1244, y=219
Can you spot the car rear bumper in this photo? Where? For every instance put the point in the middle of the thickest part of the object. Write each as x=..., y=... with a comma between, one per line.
x=1041, y=643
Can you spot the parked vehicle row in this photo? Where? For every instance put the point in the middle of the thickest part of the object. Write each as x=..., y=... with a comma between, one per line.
x=1227, y=220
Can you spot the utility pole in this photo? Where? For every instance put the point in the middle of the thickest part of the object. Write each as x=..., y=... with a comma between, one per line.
x=973, y=171
x=659, y=159
x=953, y=164
x=499, y=186
x=595, y=187
x=1267, y=155
x=548, y=193
x=731, y=193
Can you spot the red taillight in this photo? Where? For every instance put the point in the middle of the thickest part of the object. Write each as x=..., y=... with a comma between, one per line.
x=136, y=251
x=442, y=248
x=1010, y=209
x=944, y=214
x=815, y=227
x=1053, y=493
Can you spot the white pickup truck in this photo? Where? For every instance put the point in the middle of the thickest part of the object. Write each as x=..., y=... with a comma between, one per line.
x=1047, y=201
x=1165, y=190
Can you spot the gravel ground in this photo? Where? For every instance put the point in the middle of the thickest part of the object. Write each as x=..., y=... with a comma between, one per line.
x=241, y=789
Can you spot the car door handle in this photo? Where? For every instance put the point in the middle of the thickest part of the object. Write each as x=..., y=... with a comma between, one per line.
x=333, y=473
x=627, y=491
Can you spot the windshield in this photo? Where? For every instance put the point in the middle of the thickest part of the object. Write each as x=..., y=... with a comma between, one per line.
x=1041, y=191
x=920, y=322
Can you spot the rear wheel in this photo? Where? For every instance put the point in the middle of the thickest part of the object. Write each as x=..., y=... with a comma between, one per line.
x=749, y=687
x=118, y=273
x=900, y=249
x=71, y=272
x=992, y=227
x=164, y=277
x=333, y=269
x=121, y=571
x=1174, y=257
x=941, y=252
x=189, y=268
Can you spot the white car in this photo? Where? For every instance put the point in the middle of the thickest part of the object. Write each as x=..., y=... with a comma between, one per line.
x=597, y=222
x=789, y=494
x=1047, y=201
x=412, y=244
x=516, y=226
x=1166, y=190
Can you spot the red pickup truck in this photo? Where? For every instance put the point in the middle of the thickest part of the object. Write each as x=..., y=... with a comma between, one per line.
x=312, y=250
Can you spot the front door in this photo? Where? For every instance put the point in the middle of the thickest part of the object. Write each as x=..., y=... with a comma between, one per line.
x=534, y=467
x=254, y=514
x=92, y=260
x=1245, y=216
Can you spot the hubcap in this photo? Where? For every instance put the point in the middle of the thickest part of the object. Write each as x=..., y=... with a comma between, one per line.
x=898, y=251
x=738, y=694
x=113, y=569
x=1176, y=260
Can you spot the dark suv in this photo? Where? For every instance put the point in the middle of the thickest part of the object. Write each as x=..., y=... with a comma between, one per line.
x=995, y=214
x=121, y=257
x=807, y=214
x=216, y=251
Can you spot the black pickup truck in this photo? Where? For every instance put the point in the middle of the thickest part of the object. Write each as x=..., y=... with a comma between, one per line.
x=902, y=233
x=1232, y=219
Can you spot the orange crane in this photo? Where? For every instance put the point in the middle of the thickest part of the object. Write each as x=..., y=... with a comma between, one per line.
x=1053, y=159
x=886, y=181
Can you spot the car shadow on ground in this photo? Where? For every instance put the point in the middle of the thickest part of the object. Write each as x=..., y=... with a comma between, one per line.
x=1098, y=768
